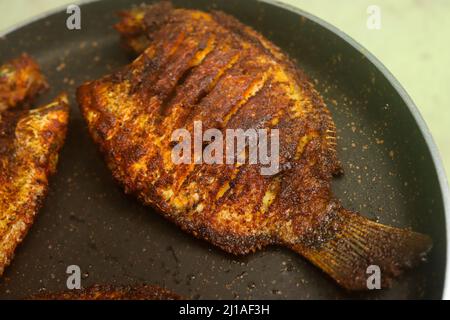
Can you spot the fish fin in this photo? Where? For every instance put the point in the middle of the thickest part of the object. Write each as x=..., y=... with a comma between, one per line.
x=361, y=243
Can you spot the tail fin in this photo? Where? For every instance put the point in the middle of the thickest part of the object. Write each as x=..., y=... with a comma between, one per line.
x=361, y=243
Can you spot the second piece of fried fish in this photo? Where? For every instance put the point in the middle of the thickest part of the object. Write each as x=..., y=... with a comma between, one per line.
x=209, y=67
x=20, y=82
x=30, y=141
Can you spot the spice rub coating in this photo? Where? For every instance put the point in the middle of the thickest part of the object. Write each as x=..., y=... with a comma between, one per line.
x=209, y=67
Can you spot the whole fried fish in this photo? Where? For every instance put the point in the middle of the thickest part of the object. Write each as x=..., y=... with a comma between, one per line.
x=30, y=141
x=209, y=67
x=20, y=82
x=108, y=292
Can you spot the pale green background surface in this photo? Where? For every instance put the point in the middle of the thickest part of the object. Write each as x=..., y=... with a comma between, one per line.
x=413, y=43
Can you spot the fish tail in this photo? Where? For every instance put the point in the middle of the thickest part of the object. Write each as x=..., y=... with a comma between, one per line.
x=362, y=247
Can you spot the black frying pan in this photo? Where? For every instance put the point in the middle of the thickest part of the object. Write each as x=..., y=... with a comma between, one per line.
x=391, y=171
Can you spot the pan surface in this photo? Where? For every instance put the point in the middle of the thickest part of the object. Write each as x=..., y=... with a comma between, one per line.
x=391, y=171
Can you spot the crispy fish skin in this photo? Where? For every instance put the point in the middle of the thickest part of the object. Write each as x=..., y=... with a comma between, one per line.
x=20, y=81
x=108, y=292
x=133, y=29
x=30, y=141
x=210, y=67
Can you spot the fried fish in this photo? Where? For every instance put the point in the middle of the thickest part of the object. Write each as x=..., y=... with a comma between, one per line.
x=30, y=141
x=209, y=67
x=20, y=82
x=108, y=292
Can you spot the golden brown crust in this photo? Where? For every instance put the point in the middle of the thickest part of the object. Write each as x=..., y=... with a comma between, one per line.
x=109, y=292
x=30, y=141
x=209, y=57
x=209, y=67
x=20, y=82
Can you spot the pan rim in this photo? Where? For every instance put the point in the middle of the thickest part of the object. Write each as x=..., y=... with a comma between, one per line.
x=412, y=107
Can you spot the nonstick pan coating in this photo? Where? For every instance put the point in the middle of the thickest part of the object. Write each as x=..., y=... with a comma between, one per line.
x=390, y=172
